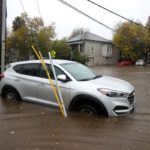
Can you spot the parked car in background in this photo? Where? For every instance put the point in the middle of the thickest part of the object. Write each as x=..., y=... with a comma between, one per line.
x=125, y=63
x=82, y=89
x=140, y=62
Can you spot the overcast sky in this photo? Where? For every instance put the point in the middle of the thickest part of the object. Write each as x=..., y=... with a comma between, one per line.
x=67, y=19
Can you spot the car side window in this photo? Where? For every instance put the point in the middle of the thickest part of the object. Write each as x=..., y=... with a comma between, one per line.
x=57, y=70
x=18, y=68
x=37, y=70
x=28, y=69
x=31, y=69
x=43, y=72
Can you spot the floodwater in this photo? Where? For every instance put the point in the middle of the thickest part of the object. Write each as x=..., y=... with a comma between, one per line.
x=28, y=126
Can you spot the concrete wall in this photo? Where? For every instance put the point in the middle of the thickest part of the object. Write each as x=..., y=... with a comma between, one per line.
x=96, y=57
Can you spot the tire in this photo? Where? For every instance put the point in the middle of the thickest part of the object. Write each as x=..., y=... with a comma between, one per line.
x=88, y=109
x=89, y=105
x=11, y=95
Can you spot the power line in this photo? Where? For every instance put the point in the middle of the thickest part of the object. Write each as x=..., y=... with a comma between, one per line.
x=27, y=21
x=39, y=9
x=115, y=13
x=81, y=12
x=22, y=6
x=42, y=19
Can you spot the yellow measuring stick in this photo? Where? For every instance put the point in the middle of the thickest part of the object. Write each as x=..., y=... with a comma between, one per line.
x=50, y=80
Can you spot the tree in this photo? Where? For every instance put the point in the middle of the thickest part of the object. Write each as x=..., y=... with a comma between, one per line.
x=79, y=57
x=147, y=40
x=129, y=39
x=148, y=24
x=62, y=49
x=78, y=31
x=18, y=23
x=27, y=31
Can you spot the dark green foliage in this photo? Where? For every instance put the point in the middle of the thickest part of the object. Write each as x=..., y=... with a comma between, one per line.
x=132, y=40
x=62, y=49
x=77, y=56
x=18, y=23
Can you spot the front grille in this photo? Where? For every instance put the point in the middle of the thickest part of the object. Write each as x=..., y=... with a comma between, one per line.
x=131, y=97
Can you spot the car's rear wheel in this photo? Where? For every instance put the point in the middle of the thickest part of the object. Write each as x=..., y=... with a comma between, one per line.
x=11, y=94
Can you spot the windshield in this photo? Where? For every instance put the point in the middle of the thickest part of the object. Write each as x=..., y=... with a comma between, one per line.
x=79, y=71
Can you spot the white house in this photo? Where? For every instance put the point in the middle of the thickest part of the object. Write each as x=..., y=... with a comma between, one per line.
x=100, y=51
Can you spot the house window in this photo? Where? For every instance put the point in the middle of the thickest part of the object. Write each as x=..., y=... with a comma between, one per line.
x=92, y=49
x=80, y=47
x=107, y=50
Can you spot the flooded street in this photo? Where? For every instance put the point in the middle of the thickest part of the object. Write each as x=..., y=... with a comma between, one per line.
x=27, y=126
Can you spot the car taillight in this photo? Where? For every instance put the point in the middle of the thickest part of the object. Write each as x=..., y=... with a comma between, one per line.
x=1, y=76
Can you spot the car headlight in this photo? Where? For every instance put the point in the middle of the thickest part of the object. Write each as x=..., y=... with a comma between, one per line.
x=112, y=93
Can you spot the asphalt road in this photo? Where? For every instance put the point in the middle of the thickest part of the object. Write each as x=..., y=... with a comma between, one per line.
x=28, y=126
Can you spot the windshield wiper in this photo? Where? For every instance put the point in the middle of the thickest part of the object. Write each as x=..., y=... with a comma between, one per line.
x=85, y=79
x=97, y=76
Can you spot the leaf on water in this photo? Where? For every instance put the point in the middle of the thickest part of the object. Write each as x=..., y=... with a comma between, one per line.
x=12, y=132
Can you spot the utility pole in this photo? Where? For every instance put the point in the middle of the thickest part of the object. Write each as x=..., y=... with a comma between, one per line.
x=3, y=33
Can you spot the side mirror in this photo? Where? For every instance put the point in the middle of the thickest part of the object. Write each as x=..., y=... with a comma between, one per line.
x=62, y=77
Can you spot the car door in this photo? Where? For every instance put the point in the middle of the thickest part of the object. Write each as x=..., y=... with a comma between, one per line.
x=27, y=81
x=45, y=92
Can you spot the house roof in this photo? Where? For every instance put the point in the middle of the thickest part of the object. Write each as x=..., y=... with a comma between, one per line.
x=88, y=36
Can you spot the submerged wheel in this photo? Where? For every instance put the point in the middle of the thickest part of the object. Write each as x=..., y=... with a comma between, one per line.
x=88, y=109
x=11, y=94
x=88, y=105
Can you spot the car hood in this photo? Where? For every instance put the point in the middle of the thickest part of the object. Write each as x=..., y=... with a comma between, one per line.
x=113, y=83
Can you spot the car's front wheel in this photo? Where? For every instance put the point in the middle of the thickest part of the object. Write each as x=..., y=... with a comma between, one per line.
x=88, y=109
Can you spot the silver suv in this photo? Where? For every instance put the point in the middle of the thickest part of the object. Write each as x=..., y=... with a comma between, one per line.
x=82, y=89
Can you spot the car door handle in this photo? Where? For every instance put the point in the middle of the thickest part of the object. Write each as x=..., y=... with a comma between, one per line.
x=17, y=80
x=41, y=84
